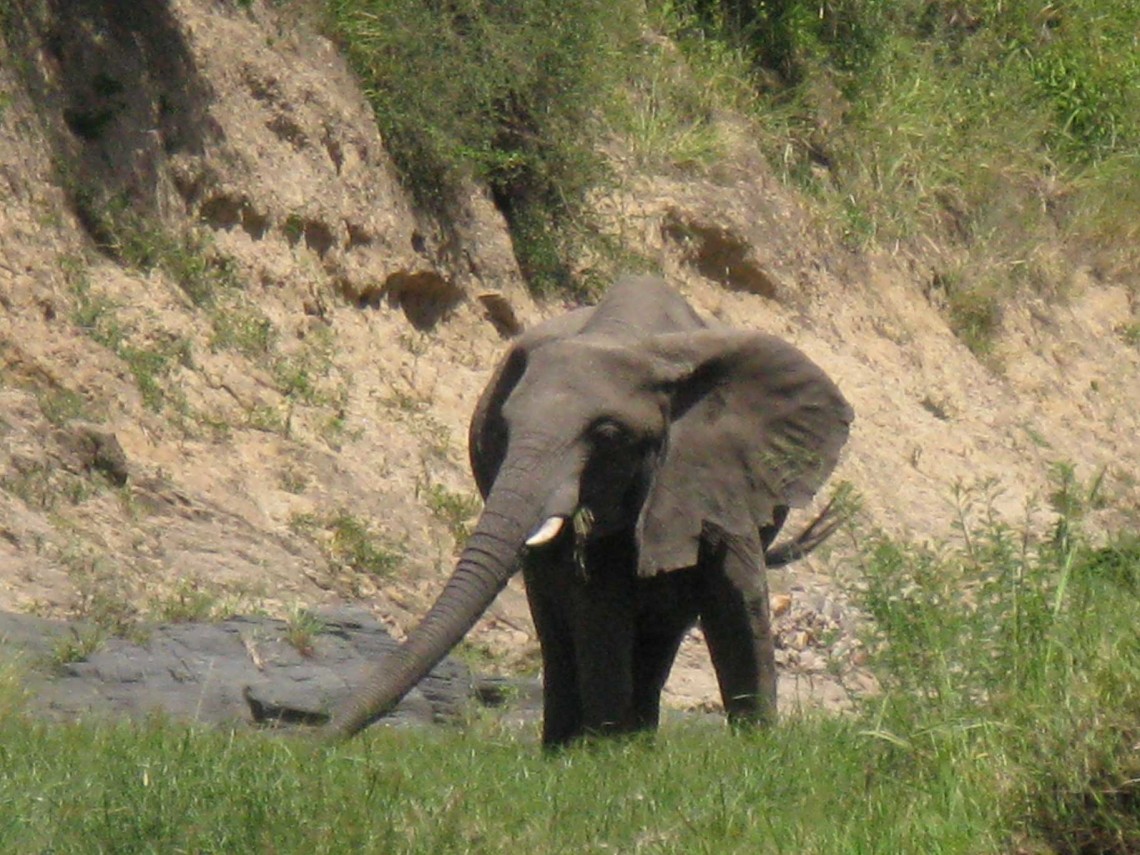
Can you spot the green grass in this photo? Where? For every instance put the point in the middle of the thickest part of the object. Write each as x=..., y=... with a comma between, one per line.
x=989, y=127
x=1008, y=721
x=998, y=131
x=354, y=544
x=455, y=510
x=155, y=788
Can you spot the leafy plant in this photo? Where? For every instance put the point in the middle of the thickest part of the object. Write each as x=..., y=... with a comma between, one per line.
x=77, y=644
x=189, y=601
x=1016, y=647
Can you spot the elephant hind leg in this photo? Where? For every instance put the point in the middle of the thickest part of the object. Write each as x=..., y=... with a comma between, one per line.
x=737, y=626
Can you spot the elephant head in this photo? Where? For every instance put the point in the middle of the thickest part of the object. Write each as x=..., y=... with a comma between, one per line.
x=633, y=416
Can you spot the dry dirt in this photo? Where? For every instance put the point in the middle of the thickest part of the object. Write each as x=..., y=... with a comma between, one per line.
x=247, y=126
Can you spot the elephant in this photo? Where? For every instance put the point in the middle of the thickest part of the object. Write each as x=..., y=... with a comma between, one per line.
x=637, y=464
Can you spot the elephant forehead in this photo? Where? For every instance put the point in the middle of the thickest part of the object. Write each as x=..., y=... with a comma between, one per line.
x=587, y=378
x=583, y=366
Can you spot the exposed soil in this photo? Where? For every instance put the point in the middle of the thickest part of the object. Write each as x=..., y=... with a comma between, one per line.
x=223, y=471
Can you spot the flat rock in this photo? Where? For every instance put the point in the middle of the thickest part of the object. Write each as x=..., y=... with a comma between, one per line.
x=239, y=671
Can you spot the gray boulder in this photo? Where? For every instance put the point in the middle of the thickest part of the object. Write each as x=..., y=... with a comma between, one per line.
x=239, y=671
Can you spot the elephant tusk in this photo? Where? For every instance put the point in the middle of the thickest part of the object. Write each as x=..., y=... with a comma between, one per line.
x=546, y=532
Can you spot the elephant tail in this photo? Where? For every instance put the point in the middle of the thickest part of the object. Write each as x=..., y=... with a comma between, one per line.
x=816, y=532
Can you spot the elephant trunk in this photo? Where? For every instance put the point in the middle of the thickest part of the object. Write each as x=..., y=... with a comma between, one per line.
x=487, y=563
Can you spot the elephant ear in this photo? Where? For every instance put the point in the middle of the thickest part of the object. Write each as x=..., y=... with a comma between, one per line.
x=755, y=425
x=487, y=434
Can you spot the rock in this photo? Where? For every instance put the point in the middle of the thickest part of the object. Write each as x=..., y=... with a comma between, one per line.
x=242, y=670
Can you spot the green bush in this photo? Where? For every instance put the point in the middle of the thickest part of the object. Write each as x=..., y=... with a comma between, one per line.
x=1018, y=647
x=506, y=93
x=988, y=122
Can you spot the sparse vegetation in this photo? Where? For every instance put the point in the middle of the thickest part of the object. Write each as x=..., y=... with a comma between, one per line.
x=46, y=486
x=150, y=363
x=455, y=510
x=77, y=644
x=293, y=480
x=143, y=242
x=1130, y=333
x=354, y=544
x=60, y=405
x=190, y=600
x=244, y=329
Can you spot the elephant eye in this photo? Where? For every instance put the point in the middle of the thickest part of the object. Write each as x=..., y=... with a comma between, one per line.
x=610, y=432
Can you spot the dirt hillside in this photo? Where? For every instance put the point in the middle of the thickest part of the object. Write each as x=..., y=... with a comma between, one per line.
x=236, y=363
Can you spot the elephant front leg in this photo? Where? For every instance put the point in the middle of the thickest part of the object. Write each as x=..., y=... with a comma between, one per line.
x=737, y=625
x=561, y=703
x=585, y=627
x=603, y=631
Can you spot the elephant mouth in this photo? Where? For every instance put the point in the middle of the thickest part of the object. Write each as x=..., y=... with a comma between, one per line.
x=582, y=526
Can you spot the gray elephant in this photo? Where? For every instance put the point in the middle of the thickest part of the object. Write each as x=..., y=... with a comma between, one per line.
x=637, y=464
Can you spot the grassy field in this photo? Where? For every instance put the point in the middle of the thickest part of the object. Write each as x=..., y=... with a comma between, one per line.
x=1009, y=717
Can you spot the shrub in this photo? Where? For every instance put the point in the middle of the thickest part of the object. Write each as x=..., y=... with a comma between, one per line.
x=1019, y=648
x=505, y=93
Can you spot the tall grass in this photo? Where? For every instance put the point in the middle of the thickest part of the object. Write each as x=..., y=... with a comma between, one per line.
x=982, y=121
x=1009, y=720
x=1019, y=648
x=1005, y=133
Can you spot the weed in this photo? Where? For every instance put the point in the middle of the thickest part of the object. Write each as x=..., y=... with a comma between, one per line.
x=149, y=364
x=142, y=242
x=1129, y=333
x=94, y=314
x=975, y=317
x=243, y=329
x=302, y=628
x=293, y=480
x=101, y=595
x=269, y=419
x=188, y=602
x=299, y=375
x=1007, y=644
x=304, y=523
x=506, y=94
x=61, y=406
x=77, y=644
x=455, y=510
x=354, y=545
x=45, y=485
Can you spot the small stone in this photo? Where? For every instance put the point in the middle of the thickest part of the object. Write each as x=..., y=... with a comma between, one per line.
x=780, y=604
